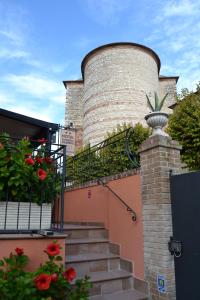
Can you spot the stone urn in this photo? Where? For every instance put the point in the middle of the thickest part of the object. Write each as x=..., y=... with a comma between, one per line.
x=157, y=120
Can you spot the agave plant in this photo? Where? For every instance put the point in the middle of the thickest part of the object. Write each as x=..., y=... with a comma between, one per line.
x=158, y=104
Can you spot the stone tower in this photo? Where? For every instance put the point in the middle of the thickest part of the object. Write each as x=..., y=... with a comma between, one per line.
x=116, y=79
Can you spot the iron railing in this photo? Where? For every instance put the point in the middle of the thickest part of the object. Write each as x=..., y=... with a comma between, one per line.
x=31, y=186
x=112, y=156
x=128, y=208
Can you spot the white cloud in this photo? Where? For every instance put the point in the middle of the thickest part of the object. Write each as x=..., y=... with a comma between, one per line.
x=176, y=36
x=107, y=12
x=34, y=113
x=28, y=107
x=38, y=86
x=181, y=8
x=12, y=53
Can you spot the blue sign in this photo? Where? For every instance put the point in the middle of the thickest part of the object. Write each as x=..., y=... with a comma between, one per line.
x=161, y=284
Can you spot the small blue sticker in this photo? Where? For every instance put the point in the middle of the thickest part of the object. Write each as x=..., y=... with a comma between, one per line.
x=161, y=284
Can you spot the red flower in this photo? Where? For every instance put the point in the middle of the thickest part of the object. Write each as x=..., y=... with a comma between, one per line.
x=42, y=140
x=28, y=154
x=19, y=251
x=43, y=281
x=53, y=249
x=39, y=160
x=54, y=277
x=29, y=161
x=48, y=160
x=41, y=174
x=69, y=274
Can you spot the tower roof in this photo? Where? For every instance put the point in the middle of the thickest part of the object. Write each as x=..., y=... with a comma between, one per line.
x=144, y=48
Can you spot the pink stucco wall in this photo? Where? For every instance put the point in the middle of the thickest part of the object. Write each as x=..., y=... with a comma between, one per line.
x=98, y=204
x=33, y=247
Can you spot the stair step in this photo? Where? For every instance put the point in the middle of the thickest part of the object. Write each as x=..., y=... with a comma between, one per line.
x=82, y=227
x=94, y=262
x=104, y=276
x=123, y=295
x=109, y=282
x=86, y=241
x=90, y=257
x=82, y=232
x=81, y=246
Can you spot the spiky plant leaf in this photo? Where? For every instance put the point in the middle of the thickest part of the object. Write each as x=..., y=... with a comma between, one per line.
x=162, y=102
x=149, y=104
x=156, y=108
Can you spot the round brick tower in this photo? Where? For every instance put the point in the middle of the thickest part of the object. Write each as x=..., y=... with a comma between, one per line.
x=116, y=78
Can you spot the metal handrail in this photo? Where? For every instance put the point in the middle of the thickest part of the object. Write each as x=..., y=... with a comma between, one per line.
x=129, y=209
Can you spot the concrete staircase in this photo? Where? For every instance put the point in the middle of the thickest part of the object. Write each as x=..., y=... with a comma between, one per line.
x=89, y=251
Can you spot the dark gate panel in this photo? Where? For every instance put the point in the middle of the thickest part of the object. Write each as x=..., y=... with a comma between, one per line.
x=185, y=194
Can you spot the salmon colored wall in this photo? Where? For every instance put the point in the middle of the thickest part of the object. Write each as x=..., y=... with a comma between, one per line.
x=98, y=204
x=34, y=248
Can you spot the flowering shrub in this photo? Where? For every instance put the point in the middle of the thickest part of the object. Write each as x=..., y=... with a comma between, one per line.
x=49, y=282
x=25, y=171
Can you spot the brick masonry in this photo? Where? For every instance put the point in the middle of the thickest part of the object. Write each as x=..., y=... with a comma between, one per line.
x=116, y=79
x=74, y=103
x=158, y=155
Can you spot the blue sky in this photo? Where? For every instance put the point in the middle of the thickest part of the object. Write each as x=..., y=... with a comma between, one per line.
x=42, y=43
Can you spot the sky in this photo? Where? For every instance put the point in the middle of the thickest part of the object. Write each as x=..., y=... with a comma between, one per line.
x=42, y=43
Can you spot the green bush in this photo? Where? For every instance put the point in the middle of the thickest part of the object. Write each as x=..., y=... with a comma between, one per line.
x=51, y=281
x=184, y=126
x=116, y=154
x=26, y=172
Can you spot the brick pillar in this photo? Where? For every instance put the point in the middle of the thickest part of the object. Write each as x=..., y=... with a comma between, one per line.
x=158, y=155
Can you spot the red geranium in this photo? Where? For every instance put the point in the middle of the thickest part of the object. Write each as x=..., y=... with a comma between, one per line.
x=29, y=161
x=69, y=274
x=42, y=140
x=54, y=277
x=41, y=174
x=43, y=281
x=39, y=160
x=53, y=249
x=48, y=160
x=28, y=154
x=19, y=251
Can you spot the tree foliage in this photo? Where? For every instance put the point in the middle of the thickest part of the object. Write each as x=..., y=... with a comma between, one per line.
x=184, y=126
x=110, y=157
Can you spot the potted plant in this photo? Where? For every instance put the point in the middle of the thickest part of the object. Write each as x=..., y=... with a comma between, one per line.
x=27, y=185
x=157, y=119
x=51, y=281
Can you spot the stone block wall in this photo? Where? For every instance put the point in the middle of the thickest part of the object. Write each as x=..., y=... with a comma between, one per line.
x=116, y=79
x=74, y=103
x=115, y=82
x=168, y=85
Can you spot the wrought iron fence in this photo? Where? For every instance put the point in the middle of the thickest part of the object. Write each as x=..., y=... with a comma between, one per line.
x=112, y=156
x=32, y=182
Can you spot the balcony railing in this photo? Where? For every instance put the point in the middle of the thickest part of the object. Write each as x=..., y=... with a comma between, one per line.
x=32, y=182
x=112, y=156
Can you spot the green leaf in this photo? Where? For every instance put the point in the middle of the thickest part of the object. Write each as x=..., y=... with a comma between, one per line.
x=149, y=103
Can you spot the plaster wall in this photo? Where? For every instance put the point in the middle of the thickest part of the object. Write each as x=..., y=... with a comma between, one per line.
x=97, y=204
x=33, y=247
